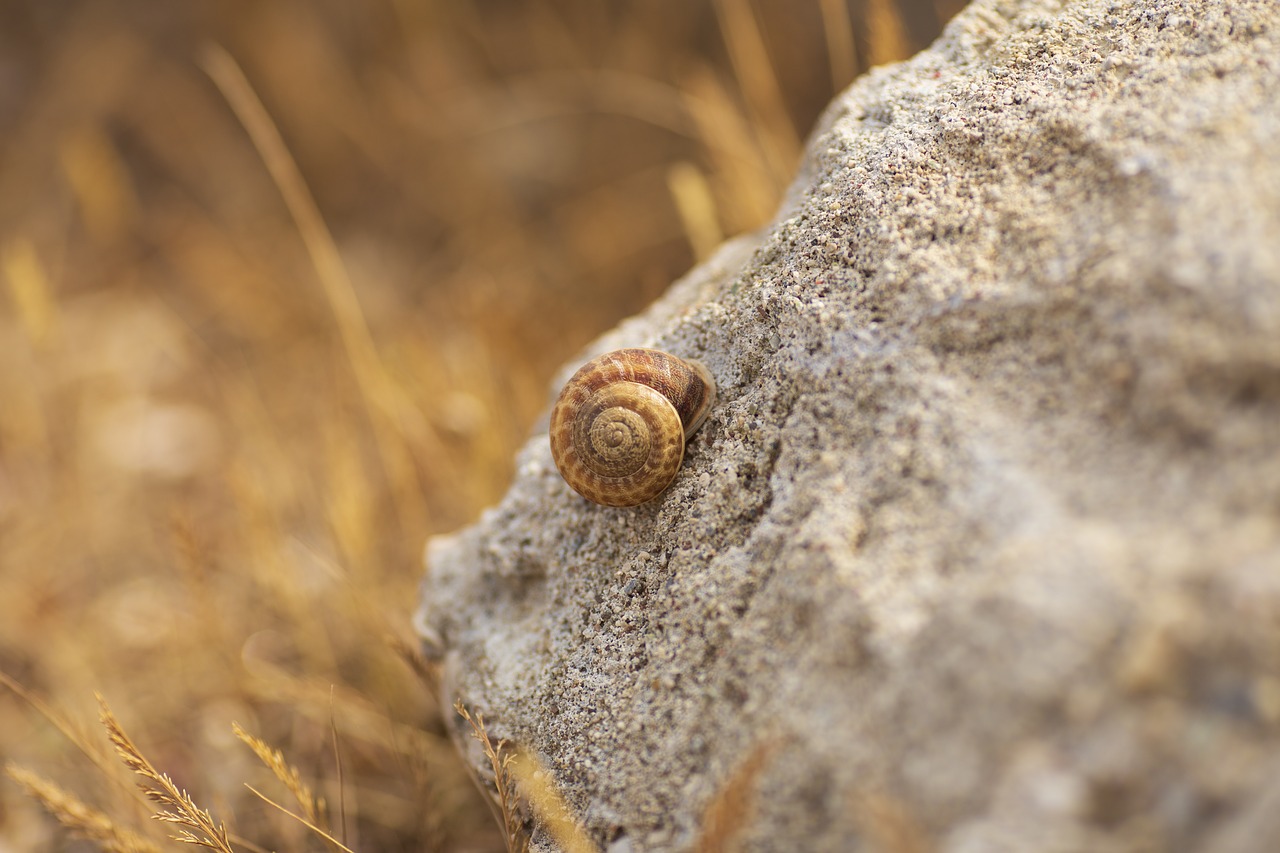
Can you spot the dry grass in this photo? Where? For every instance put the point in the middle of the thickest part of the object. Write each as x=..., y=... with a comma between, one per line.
x=83, y=821
x=315, y=814
x=281, y=288
x=502, y=790
x=728, y=816
x=174, y=806
x=523, y=793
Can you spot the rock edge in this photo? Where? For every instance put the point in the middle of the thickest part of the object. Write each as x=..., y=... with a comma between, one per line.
x=980, y=547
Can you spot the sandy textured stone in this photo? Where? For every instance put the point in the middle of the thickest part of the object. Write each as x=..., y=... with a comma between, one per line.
x=980, y=547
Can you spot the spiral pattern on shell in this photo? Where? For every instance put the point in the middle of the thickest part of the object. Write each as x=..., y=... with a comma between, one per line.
x=619, y=427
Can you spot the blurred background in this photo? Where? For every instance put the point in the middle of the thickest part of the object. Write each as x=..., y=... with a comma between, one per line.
x=244, y=376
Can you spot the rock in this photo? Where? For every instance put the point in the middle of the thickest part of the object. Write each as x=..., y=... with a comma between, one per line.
x=980, y=547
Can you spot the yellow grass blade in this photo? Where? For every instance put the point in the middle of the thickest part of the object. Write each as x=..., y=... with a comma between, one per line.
x=842, y=53
x=288, y=775
x=697, y=207
x=392, y=415
x=29, y=286
x=886, y=33
x=302, y=820
x=755, y=74
x=548, y=804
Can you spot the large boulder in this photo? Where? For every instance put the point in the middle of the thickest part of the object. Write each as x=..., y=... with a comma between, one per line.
x=980, y=546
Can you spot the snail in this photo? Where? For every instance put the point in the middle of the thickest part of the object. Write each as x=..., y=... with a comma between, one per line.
x=619, y=426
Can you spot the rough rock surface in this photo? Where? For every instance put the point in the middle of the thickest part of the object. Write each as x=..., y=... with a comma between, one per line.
x=980, y=547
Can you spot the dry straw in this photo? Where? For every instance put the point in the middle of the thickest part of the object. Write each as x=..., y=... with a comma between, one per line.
x=521, y=783
x=82, y=820
x=193, y=824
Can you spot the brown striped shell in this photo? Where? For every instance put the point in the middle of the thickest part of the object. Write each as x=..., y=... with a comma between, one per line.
x=619, y=427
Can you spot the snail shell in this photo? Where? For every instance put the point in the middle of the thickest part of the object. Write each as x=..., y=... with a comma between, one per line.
x=619, y=427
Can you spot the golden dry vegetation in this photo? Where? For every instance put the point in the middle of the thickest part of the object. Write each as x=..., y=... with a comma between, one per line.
x=284, y=285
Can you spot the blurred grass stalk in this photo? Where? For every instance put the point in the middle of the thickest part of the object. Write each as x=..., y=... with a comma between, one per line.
x=398, y=425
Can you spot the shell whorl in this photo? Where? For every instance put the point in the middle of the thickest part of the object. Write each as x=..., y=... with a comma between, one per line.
x=619, y=426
